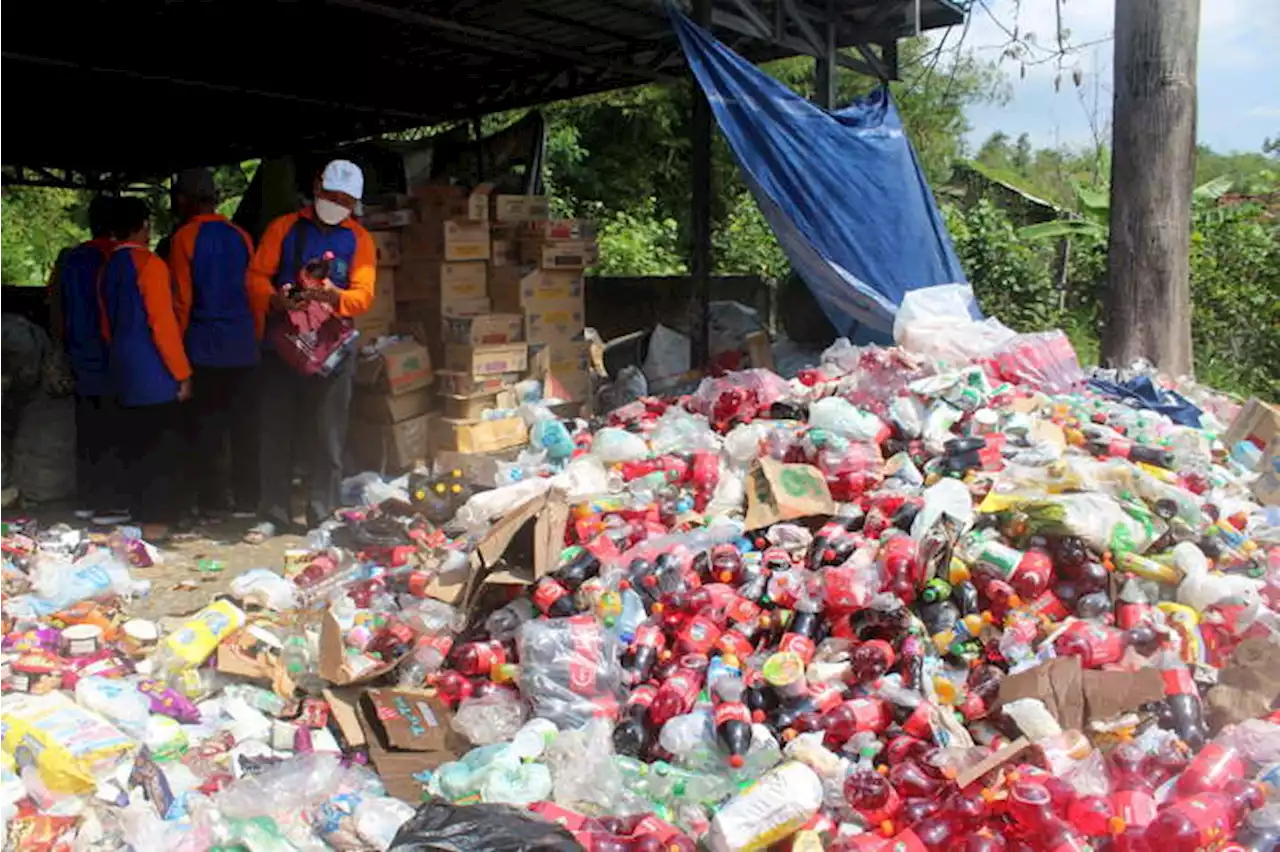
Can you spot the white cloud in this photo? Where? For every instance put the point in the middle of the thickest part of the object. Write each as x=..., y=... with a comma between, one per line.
x=1265, y=112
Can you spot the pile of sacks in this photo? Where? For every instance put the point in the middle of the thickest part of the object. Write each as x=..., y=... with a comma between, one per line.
x=894, y=602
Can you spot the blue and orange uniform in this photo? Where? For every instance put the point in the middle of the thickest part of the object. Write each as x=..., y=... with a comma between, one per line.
x=77, y=319
x=77, y=287
x=293, y=404
x=209, y=260
x=148, y=364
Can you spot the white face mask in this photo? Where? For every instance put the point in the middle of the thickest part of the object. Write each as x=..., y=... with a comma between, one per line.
x=329, y=212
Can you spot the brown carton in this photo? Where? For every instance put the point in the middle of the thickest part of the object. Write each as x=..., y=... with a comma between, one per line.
x=380, y=407
x=448, y=239
x=486, y=360
x=481, y=436
x=453, y=202
x=547, y=230
x=486, y=329
x=398, y=368
x=474, y=406
x=446, y=283
x=514, y=289
x=465, y=384
x=554, y=320
x=389, y=446
x=334, y=665
x=520, y=208
x=563, y=254
x=386, y=245
x=780, y=492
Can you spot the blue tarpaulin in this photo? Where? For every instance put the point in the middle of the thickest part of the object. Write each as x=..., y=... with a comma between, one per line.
x=842, y=190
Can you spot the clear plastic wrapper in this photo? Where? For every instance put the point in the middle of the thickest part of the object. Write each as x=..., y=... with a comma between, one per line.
x=612, y=445
x=1043, y=360
x=681, y=431
x=490, y=719
x=569, y=670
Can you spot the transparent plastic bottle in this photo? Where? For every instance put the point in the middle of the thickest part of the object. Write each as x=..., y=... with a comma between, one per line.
x=300, y=659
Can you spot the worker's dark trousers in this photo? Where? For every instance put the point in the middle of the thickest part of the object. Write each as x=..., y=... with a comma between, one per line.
x=222, y=437
x=304, y=415
x=99, y=472
x=151, y=452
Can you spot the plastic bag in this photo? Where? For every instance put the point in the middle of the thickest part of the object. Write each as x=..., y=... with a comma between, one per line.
x=668, y=354
x=266, y=589
x=836, y=415
x=482, y=508
x=480, y=828
x=618, y=445
x=569, y=671
x=58, y=584
x=1044, y=360
x=493, y=718
x=678, y=430
x=771, y=810
x=938, y=322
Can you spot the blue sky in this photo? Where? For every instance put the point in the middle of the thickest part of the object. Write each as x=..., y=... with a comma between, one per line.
x=1238, y=86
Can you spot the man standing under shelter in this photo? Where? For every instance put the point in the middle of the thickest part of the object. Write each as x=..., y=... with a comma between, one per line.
x=209, y=260
x=302, y=412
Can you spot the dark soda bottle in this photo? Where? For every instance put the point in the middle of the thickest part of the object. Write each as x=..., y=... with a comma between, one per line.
x=732, y=722
x=646, y=646
x=631, y=736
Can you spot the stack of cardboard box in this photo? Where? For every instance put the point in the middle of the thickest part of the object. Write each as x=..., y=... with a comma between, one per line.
x=538, y=273
x=484, y=356
x=389, y=410
x=377, y=321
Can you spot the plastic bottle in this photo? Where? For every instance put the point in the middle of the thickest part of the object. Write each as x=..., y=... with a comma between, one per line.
x=1190, y=824
x=1131, y=772
x=631, y=735
x=477, y=659
x=552, y=598
x=504, y=624
x=870, y=794
x=675, y=696
x=732, y=721
x=1215, y=767
x=646, y=647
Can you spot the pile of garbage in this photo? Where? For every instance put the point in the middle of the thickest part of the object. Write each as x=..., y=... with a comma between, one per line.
x=899, y=601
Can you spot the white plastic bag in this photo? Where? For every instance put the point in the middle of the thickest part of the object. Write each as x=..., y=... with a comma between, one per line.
x=612, y=445
x=668, y=354
x=771, y=810
x=938, y=322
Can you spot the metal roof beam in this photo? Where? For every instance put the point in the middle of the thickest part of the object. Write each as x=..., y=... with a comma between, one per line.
x=515, y=43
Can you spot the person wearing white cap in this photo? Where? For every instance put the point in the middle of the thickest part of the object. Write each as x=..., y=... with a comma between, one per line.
x=308, y=413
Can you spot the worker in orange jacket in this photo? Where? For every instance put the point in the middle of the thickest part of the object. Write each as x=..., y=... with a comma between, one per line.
x=208, y=257
x=150, y=372
x=300, y=412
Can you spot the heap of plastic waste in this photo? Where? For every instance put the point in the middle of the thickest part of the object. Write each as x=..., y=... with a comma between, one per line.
x=891, y=603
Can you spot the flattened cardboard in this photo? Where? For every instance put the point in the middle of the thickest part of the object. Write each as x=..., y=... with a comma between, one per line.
x=780, y=492
x=1057, y=683
x=993, y=761
x=1108, y=694
x=396, y=750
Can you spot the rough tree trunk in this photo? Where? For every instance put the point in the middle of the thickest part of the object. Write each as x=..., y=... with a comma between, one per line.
x=1148, y=311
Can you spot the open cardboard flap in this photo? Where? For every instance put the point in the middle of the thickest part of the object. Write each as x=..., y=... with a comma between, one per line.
x=333, y=657
x=508, y=556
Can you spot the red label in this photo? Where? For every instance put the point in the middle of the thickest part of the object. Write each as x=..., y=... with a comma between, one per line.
x=734, y=643
x=649, y=636
x=547, y=593
x=699, y=634
x=741, y=610
x=443, y=644
x=642, y=695
x=1211, y=815
x=920, y=723
x=1179, y=681
x=826, y=697
x=799, y=644
x=1130, y=615
x=1119, y=448
x=869, y=714
x=731, y=711
x=584, y=638
x=1135, y=807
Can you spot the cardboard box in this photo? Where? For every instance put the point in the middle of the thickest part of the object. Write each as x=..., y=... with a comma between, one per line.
x=520, y=208
x=504, y=252
x=475, y=406
x=465, y=384
x=453, y=202
x=481, y=436
x=445, y=282
x=569, y=368
x=401, y=367
x=487, y=360
x=1258, y=422
x=335, y=665
x=555, y=320
x=404, y=731
x=387, y=246
x=782, y=492
x=561, y=254
x=485, y=329
x=445, y=239
x=389, y=447
x=430, y=315
x=513, y=290
x=380, y=219
x=379, y=407
x=546, y=230
x=374, y=322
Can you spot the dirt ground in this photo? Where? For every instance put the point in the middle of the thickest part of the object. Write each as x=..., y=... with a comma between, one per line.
x=178, y=586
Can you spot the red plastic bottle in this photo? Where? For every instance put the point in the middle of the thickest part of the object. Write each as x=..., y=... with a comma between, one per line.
x=870, y=660
x=854, y=716
x=910, y=780
x=697, y=635
x=871, y=795
x=452, y=686
x=553, y=598
x=1030, y=806
x=476, y=659
x=1096, y=645
x=1190, y=824
x=1212, y=770
x=646, y=646
x=1059, y=836
x=675, y=697
x=1133, y=774
x=1093, y=816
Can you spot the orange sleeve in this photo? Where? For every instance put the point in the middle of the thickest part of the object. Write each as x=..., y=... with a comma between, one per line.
x=181, y=249
x=157, y=300
x=358, y=297
x=263, y=268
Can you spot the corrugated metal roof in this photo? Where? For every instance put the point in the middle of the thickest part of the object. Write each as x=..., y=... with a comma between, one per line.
x=149, y=86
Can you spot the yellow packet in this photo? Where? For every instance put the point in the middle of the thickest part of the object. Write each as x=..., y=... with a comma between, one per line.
x=69, y=746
